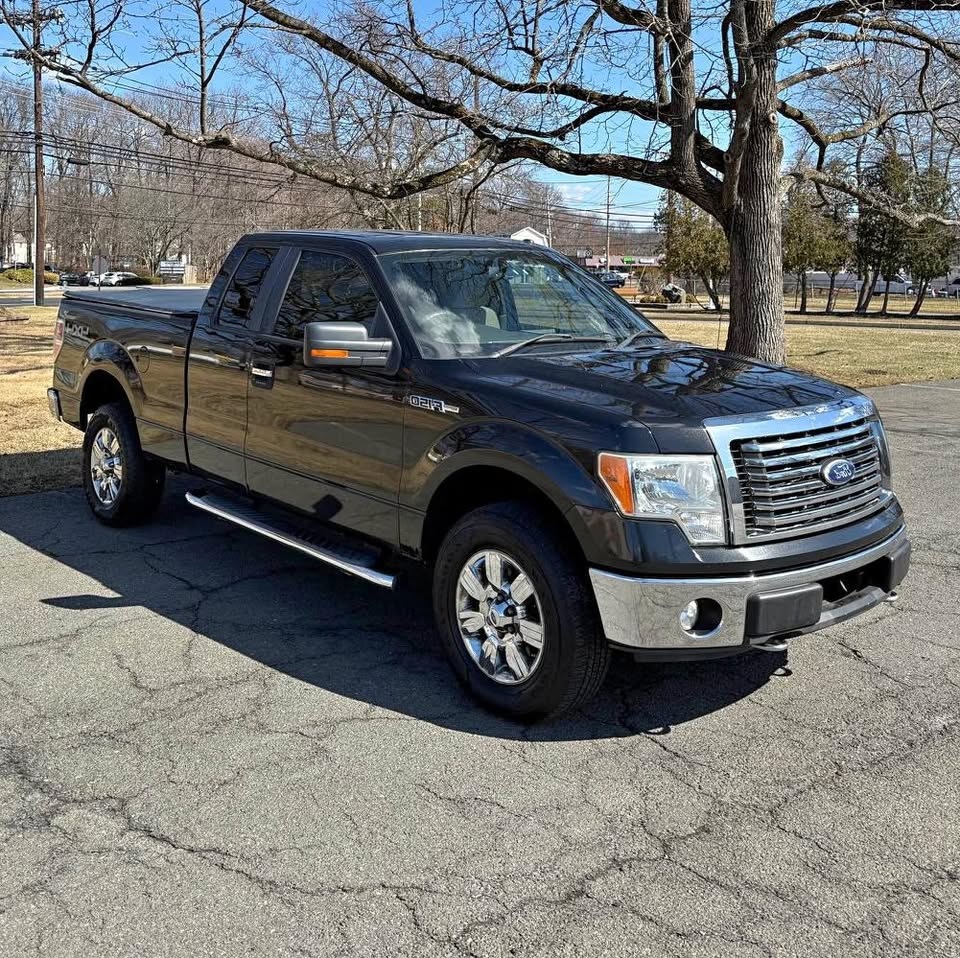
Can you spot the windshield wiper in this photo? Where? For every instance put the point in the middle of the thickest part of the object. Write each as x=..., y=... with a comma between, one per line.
x=637, y=336
x=549, y=338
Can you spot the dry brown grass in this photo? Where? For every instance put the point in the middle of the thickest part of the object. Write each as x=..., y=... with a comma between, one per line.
x=860, y=358
x=36, y=452
x=898, y=308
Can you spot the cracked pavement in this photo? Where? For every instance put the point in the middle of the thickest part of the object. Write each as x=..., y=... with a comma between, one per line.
x=211, y=745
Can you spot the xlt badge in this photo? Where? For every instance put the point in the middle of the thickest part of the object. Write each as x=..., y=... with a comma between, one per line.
x=435, y=405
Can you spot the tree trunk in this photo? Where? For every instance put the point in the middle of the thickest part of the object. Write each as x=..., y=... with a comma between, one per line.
x=712, y=292
x=863, y=291
x=754, y=226
x=870, y=290
x=886, y=299
x=803, y=292
x=921, y=296
x=831, y=294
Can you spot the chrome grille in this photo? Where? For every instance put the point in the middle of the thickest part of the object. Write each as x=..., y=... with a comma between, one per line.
x=771, y=466
x=781, y=487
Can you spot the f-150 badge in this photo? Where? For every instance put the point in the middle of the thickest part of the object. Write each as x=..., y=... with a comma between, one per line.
x=435, y=405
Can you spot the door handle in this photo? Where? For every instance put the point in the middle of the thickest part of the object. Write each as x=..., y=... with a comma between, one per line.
x=261, y=374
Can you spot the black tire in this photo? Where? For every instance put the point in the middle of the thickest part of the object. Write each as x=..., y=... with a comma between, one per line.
x=141, y=483
x=575, y=654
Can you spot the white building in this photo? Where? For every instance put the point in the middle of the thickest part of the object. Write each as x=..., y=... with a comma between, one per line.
x=529, y=235
x=21, y=250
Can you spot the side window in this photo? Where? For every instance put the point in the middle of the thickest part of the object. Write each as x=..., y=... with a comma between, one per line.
x=221, y=279
x=325, y=288
x=241, y=295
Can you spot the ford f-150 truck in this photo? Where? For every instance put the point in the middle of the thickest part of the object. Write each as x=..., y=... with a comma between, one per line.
x=575, y=480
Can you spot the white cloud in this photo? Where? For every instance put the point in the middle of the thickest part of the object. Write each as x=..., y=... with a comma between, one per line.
x=575, y=192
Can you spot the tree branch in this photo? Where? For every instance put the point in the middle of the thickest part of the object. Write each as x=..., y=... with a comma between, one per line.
x=815, y=72
x=842, y=10
x=872, y=200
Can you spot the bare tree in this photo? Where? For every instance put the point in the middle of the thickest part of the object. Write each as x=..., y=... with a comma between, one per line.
x=526, y=80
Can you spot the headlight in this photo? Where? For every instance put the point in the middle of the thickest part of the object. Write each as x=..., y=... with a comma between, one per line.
x=886, y=464
x=685, y=489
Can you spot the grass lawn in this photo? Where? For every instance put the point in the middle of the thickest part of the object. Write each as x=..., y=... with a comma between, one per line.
x=898, y=308
x=859, y=358
x=37, y=453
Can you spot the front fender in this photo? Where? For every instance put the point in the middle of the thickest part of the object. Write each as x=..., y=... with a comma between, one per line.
x=559, y=474
x=529, y=454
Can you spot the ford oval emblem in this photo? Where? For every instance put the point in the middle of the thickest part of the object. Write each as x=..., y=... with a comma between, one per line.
x=837, y=472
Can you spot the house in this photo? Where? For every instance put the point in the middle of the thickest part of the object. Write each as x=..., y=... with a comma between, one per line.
x=21, y=250
x=529, y=235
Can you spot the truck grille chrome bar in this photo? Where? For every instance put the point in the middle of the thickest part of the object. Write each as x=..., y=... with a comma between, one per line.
x=774, y=469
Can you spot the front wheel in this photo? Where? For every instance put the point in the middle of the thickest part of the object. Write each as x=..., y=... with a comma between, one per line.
x=123, y=486
x=516, y=614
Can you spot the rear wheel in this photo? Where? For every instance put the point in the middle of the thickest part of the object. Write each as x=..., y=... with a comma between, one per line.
x=516, y=614
x=123, y=486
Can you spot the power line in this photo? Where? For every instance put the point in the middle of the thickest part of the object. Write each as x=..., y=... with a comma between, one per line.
x=117, y=155
x=97, y=107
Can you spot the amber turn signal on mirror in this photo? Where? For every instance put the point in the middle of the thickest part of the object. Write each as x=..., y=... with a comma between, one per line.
x=330, y=353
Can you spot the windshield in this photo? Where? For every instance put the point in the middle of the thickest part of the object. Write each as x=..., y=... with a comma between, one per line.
x=478, y=302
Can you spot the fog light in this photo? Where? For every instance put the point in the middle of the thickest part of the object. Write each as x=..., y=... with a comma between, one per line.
x=688, y=616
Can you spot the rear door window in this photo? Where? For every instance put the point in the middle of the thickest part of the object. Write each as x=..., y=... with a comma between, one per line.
x=240, y=300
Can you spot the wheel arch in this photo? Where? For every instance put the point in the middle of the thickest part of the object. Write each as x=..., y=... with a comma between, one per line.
x=479, y=484
x=108, y=375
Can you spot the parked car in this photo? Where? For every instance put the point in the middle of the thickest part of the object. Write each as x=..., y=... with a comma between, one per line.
x=573, y=480
x=611, y=279
x=120, y=279
x=74, y=279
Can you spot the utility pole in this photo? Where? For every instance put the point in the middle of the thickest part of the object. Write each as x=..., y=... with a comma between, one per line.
x=607, y=264
x=39, y=206
x=36, y=20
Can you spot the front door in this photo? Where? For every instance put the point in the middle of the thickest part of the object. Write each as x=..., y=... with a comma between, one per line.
x=325, y=441
x=218, y=365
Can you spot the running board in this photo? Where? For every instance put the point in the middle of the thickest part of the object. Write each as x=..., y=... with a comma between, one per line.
x=352, y=561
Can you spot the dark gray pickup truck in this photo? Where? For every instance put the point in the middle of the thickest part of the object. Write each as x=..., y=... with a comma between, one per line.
x=575, y=480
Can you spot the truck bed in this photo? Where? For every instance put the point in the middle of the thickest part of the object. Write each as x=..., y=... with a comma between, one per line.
x=169, y=300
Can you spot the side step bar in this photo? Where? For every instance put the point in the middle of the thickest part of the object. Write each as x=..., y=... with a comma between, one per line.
x=354, y=562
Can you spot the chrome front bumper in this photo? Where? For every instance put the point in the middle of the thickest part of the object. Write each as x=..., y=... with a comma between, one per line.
x=644, y=614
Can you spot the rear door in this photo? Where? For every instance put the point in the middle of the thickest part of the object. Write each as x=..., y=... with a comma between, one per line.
x=325, y=441
x=218, y=362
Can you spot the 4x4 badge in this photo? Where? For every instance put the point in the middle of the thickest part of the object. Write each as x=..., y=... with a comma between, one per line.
x=436, y=405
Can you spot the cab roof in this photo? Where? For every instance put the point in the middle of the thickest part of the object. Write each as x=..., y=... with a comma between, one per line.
x=389, y=241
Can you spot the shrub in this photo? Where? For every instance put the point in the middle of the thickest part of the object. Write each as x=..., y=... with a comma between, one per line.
x=25, y=276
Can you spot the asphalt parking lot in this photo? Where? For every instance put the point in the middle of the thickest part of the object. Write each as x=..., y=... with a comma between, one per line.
x=210, y=746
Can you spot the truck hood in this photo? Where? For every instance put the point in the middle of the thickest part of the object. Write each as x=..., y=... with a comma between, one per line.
x=670, y=387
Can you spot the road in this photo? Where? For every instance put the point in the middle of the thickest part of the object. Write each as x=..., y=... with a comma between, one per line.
x=211, y=747
x=24, y=297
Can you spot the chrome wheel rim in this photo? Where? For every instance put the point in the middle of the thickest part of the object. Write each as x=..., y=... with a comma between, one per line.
x=106, y=466
x=500, y=617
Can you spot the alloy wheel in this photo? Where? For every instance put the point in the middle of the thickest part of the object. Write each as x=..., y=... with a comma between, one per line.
x=500, y=617
x=106, y=466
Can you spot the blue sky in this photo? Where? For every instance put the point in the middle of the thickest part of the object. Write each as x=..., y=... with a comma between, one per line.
x=630, y=200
